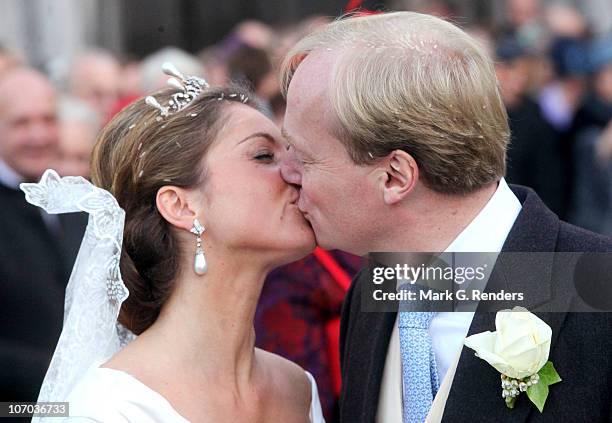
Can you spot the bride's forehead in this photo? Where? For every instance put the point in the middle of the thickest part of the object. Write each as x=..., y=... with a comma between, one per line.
x=240, y=113
x=244, y=120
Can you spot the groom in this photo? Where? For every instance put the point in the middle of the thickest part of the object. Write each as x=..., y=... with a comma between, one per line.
x=397, y=139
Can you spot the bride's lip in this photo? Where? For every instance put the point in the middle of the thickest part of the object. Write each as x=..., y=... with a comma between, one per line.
x=295, y=197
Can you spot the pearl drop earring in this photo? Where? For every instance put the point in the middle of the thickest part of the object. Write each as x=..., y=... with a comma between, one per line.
x=199, y=264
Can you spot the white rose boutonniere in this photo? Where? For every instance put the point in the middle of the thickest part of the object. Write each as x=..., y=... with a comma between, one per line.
x=519, y=350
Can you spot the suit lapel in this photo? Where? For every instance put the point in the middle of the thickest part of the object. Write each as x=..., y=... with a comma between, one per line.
x=365, y=358
x=476, y=388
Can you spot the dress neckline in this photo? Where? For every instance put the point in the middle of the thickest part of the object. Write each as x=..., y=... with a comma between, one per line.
x=315, y=406
x=143, y=387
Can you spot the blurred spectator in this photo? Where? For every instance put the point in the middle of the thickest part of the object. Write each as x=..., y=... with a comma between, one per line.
x=591, y=205
x=560, y=99
x=250, y=35
x=216, y=68
x=28, y=124
x=130, y=80
x=95, y=79
x=297, y=303
x=565, y=21
x=254, y=34
x=153, y=79
x=79, y=126
x=252, y=66
x=38, y=249
x=534, y=156
x=281, y=44
x=129, y=87
x=288, y=35
x=8, y=60
x=525, y=24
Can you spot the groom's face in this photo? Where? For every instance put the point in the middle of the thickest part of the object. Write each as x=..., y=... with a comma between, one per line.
x=337, y=196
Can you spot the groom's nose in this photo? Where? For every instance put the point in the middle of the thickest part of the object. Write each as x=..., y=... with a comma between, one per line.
x=289, y=169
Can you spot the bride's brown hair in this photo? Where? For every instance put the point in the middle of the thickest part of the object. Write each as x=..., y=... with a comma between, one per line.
x=135, y=155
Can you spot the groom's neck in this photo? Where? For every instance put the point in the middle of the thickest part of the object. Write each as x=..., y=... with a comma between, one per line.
x=431, y=222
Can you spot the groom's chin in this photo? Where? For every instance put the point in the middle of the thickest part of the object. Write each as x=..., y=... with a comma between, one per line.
x=322, y=239
x=330, y=244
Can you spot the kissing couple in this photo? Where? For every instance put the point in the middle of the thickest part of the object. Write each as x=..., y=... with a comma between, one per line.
x=394, y=139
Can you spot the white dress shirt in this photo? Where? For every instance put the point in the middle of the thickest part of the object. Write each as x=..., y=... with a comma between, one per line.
x=486, y=233
x=9, y=177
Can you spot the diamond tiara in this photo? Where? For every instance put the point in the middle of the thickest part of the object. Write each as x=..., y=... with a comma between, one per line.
x=190, y=88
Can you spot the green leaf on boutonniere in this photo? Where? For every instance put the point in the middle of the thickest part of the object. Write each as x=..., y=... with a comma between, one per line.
x=539, y=392
x=548, y=374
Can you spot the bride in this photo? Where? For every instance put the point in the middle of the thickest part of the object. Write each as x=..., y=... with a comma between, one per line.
x=194, y=171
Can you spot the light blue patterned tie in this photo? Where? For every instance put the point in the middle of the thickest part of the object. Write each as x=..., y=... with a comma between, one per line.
x=419, y=372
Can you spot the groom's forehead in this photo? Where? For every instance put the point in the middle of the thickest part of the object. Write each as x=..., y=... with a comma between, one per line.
x=312, y=77
x=308, y=100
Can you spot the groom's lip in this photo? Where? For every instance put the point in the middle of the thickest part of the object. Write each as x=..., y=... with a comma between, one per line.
x=301, y=208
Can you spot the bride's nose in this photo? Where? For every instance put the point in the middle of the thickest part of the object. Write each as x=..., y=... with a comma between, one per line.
x=289, y=170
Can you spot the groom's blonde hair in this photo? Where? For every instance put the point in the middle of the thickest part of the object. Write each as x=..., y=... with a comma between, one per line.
x=417, y=83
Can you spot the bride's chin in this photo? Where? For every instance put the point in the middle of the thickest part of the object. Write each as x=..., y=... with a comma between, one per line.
x=288, y=260
x=296, y=252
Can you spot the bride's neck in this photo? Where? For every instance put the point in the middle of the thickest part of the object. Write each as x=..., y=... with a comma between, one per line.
x=208, y=320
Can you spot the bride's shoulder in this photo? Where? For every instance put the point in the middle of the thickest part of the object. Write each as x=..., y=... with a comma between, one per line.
x=105, y=394
x=289, y=378
x=293, y=386
x=98, y=396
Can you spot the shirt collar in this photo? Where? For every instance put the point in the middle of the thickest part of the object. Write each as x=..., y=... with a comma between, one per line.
x=9, y=177
x=489, y=229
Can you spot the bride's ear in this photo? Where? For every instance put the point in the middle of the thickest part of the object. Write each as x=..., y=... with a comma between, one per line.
x=399, y=176
x=176, y=206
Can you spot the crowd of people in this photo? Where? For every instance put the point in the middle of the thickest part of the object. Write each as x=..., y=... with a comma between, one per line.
x=555, y=78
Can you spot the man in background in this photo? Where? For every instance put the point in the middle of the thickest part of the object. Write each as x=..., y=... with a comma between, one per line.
x=37, y=250
x=534, y=154
x=95, y=79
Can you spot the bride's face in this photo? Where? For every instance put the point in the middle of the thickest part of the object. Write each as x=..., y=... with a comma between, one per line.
x=247, y=204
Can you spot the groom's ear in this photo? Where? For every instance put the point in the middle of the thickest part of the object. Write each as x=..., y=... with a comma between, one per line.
x=401, y=174
x=173, y=203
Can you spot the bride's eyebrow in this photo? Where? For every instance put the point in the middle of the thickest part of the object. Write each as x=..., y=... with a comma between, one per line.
x=258, y=135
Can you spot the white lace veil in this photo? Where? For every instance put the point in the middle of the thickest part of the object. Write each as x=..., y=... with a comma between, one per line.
x=95, y=291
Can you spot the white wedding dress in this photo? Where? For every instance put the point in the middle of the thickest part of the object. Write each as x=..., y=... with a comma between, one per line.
x=108, y=395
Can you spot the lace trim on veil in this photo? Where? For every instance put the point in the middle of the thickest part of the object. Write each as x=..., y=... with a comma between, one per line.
x=95, y=291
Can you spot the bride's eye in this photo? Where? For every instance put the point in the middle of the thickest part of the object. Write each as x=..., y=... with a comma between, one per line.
x=265, y=156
